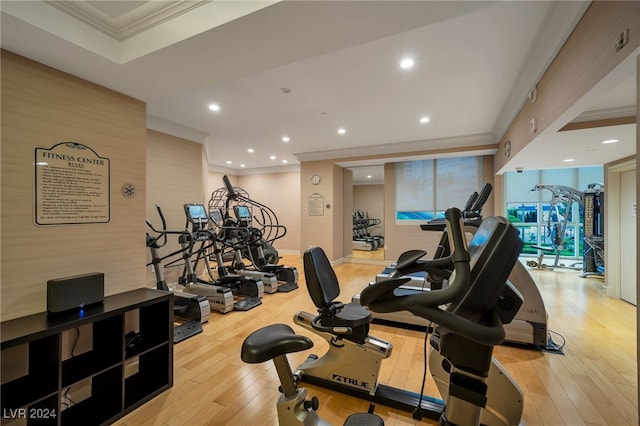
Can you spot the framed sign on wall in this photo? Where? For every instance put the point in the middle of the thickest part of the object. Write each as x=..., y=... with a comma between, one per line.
x=316, y=204
x=71, y=185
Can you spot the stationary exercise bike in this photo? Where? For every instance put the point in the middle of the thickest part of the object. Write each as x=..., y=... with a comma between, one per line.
x=274, y=342
x=479, y=302
x=528, y=327
x=476, y=388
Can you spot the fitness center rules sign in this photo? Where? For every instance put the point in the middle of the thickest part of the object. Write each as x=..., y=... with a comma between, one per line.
x=71, y=185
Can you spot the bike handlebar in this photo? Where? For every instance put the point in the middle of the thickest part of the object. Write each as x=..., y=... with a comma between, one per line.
x=382, y=292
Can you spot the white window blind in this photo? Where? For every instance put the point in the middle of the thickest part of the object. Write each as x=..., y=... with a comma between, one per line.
x=426, y=188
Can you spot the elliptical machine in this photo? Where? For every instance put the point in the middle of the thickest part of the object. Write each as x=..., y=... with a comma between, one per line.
x=362, y=238
x=249, y=289
x=258, y=248
x=189, y=309
x=234, y=237
x=480, y=300
x=220, y=299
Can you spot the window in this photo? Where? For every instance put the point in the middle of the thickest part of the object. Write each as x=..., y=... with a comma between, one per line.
x=426, y=188
x=539, y=221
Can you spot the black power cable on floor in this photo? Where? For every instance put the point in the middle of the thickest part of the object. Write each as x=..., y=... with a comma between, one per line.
x=417, y=412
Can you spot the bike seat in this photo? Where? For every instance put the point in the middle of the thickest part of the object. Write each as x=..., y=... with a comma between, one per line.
x=363, y=419
x=272, y=341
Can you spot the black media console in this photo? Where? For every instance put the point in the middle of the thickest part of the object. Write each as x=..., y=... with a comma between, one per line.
x=115, y=374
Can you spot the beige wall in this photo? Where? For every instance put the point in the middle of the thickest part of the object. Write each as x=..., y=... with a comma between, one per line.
x=42, y=107
x=488, y=176
x=347, y=212
x=335, y=208
x=174, y=178
x=214, y=181
x=499, y=208
x=278, y=191
x=281, y=193
x=322, y=230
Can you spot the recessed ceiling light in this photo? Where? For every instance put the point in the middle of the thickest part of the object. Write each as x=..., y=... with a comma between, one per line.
x=569, y=160
x=424, y=120
x=214, y=107
x=285, y=161
x=285, y=139
x=228, y=162
x=273, y=157
x=342, y=131
x=369, y=176
x=241, y=165
x=250, y=150
x=611, y=141
x=406, y=63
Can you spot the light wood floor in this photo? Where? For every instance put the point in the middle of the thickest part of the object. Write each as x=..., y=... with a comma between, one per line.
x=377, y=254
x=593, y=383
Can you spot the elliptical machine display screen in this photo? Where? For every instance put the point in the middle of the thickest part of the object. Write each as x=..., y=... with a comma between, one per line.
x=196, y=213
x=243, y=215
x=216, y=217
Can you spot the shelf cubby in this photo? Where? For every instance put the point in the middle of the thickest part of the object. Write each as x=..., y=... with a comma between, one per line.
x=151, y=333
x=106, y=351
x=104, y=402
x=150, y=378
x=40, y=380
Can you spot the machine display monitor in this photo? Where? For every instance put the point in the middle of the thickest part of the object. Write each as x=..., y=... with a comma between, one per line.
x=216, y=217
x=242, y=213
x=196, y=212
x=480, y=240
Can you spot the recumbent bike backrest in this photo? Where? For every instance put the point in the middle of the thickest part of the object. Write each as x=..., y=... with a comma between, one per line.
x=322, y=282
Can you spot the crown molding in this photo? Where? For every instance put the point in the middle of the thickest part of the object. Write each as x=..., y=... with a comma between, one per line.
x=397, y=149
x=175, y=129
x=122, y=20
x=254, y=171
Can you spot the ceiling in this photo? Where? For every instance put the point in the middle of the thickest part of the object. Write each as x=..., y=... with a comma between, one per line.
x=304, y=69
